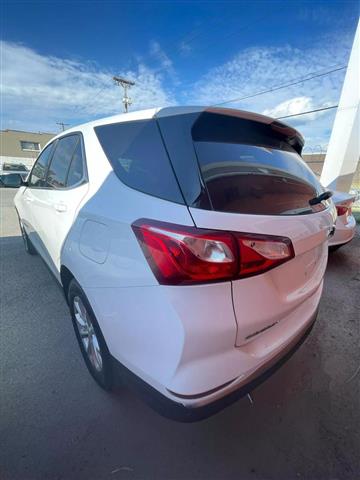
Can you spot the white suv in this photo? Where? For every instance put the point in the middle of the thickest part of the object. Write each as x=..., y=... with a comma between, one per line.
x=191, y=245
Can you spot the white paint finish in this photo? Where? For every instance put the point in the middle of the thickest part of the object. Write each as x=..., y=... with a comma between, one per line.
x=345, y=224
x=345, y=230
x=169, y=328
x=279, y=292
x=241, y=365
x=219, y=366
x=141, y=329
x=53, y=213
x=344, y=147
x=251, y=359
x=94, y=241
x=342, y=198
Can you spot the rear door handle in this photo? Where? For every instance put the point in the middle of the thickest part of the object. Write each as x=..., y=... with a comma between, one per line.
x=60, y=207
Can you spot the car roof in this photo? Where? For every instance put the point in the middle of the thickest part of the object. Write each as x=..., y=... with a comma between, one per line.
x=161, y=112
x=132, y=116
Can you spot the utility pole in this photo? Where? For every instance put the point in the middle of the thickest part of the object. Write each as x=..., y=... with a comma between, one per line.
x=63, y=125
x=123, y=82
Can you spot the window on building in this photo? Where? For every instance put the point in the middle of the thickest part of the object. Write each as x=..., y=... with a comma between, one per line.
x=30, y=146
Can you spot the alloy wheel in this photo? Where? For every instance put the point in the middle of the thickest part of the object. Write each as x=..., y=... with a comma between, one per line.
x=87, y=334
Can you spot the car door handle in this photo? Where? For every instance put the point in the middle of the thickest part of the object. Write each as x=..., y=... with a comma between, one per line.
x=60, y=207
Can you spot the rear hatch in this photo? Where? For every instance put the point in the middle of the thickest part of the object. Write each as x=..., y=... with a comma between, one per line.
x=243, y=173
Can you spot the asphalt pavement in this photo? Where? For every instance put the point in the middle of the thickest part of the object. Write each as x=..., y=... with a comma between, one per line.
x=56, y=423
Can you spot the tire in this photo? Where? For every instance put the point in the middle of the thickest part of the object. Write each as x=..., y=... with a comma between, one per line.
x=92, y=343
x=333, y=248
x=29, y=247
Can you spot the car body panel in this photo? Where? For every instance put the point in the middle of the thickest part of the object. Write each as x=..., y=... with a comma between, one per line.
x=286, y=286
x=345, y=224
x=124, y=265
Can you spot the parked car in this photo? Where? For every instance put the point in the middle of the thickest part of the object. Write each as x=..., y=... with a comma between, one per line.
x=15, y=167
x=345, y=222
x=191, y=245
x=10, y=179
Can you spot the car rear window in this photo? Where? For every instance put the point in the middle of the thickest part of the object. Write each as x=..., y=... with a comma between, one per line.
x=249, y=168
x=138, y=156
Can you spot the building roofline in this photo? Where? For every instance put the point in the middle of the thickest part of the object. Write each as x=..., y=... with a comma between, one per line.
x=26, y=131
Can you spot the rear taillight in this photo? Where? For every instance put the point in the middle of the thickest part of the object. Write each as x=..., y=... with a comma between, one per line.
x=341, y=210
x=181, y=255
x=259, y=253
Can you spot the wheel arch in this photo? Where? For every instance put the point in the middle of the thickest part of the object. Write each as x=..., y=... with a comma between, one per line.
x=66, y=276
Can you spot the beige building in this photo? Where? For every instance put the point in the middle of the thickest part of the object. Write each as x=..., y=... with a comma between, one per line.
x=315, y=162
x=18, y=147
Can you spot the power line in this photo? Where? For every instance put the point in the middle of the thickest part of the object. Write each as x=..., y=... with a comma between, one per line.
x=96, y=98
x=310, y=111
x=279, y=87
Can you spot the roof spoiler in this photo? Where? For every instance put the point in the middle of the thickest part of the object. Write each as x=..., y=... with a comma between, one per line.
x=290, y=134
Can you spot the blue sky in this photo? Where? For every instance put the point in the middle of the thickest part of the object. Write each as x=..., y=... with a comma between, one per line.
x=58, y=58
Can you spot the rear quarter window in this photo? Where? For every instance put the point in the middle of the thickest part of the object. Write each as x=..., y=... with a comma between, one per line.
x=138, y=156
x=60, y=162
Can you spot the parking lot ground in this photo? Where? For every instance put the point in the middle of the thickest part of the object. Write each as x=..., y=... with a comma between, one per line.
x=55, y=423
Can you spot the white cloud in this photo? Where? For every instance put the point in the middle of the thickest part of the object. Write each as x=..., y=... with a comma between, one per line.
x=38, y=90
x=166, y=64
x=256, y=69
x=294, y=106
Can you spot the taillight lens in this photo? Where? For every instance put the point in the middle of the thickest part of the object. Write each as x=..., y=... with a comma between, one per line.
x=259, y=253
x=181, y=255
x=341, y=210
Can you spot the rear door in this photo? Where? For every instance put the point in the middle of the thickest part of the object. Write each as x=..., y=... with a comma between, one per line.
x=55, y=205
x=255, y=181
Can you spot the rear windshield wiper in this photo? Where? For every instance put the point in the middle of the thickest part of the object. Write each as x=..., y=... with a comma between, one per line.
x=324, y=196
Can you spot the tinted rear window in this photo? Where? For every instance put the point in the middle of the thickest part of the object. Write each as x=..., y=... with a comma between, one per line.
x=138, y=157
x=248, y=168
x=61, y=160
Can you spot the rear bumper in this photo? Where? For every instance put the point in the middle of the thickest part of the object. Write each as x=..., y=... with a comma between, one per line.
x=179, y=412
x=344, y=233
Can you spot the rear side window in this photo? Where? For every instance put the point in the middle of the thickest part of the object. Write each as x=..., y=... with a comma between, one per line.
x=61, y=160
x=38, y=173
x=249, y=169
x=138, y=157
x=76, y=170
